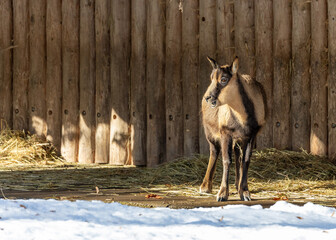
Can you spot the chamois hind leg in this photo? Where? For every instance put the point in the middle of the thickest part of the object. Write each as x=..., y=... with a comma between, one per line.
x=243, y=187
x=238, y=161
x=206, y=186
x=226, y=145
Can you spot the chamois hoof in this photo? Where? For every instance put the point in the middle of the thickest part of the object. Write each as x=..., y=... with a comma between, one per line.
x=206, y=187
x=223, y=194
x=245, y=196
x=222, y=198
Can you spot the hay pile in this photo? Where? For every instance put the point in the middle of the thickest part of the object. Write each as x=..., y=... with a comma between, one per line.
x=19, y=147
x=272, y=172
x=267, y=165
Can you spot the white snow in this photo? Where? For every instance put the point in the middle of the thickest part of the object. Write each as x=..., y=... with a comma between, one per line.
x=52, y=219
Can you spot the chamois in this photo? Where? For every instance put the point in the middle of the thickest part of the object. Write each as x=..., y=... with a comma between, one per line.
x=233, y=111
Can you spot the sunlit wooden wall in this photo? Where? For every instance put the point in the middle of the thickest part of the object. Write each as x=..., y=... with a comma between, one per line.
x=121, y=81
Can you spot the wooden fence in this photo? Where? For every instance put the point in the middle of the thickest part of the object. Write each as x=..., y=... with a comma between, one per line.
x=121, y=81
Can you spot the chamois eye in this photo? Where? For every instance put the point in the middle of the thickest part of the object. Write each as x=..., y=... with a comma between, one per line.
x=224, y=79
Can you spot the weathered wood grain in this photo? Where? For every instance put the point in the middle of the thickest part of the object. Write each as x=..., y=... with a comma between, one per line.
x=138, y=83
x=87, y=59
x=6, y=98
x=244, y=35
x=103, y=85
x=155, y=86
x=282, y=34
x=173, y=83
x=190, y=59
x=70, y=75
x=319, y=71
x=120, y=82
x=54, y=72
x=332, y=79
x=264, y=64
x=20, y=64
x=225, y=31
x=300, y=94
x=37, y=74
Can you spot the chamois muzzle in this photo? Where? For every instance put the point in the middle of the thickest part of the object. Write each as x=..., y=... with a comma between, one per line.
x=212, y=100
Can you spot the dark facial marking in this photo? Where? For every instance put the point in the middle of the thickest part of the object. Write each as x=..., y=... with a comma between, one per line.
x=222, y=76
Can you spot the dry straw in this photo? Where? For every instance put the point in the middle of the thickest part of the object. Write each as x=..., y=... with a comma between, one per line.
x=270, y=164
x=19, y=147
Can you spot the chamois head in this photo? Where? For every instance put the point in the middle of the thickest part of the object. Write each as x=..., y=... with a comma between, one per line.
x=220, y=78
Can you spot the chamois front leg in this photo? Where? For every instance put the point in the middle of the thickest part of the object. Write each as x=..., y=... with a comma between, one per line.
x=238, y=160
x=226, y=145
x=206, y=186
x=244, y=193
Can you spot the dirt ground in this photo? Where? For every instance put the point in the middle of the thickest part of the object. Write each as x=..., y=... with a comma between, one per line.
x=131, y=186
x=138, y=197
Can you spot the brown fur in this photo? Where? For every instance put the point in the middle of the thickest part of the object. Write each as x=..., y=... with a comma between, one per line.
x=232, y=118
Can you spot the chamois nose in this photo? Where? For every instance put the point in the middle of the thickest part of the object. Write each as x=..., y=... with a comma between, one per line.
x=213, y=103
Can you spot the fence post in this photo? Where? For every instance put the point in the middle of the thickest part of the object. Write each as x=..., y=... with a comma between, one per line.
x=225, y=31
x=282, y=32
x=70, y=68
x=264, y=64
x=319, y=65
x=244, y=35
x=103, y=86
x=120, y=82
x=138, y=83
x=301, y=41
x=20, y=64
x=173, y=83
x=87, y=53
x=54, y=72
x=6, y=27
x=332, y=79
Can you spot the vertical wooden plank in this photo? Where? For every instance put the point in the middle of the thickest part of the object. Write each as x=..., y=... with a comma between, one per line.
x=207, y=47
x=6, y=63
x=282, y=32
x=103, y=87
x=138, y=83
x=156, y=139
x=301, y=76
x=87, y=83
x=332, y=79
x=319, y=70
x=120, y=82
x=70, y=68
x=264, y=63
x=20, y=64
x=37, y=82
x=225, y=31
x=190, y=31
x=54, y=72
x=244, y=35
x=173, y=83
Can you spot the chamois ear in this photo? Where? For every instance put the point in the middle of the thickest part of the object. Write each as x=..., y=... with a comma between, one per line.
x=213, y=62
x=234, y=66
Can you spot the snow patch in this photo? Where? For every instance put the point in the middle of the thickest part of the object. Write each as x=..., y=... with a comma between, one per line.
x=52, y=219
